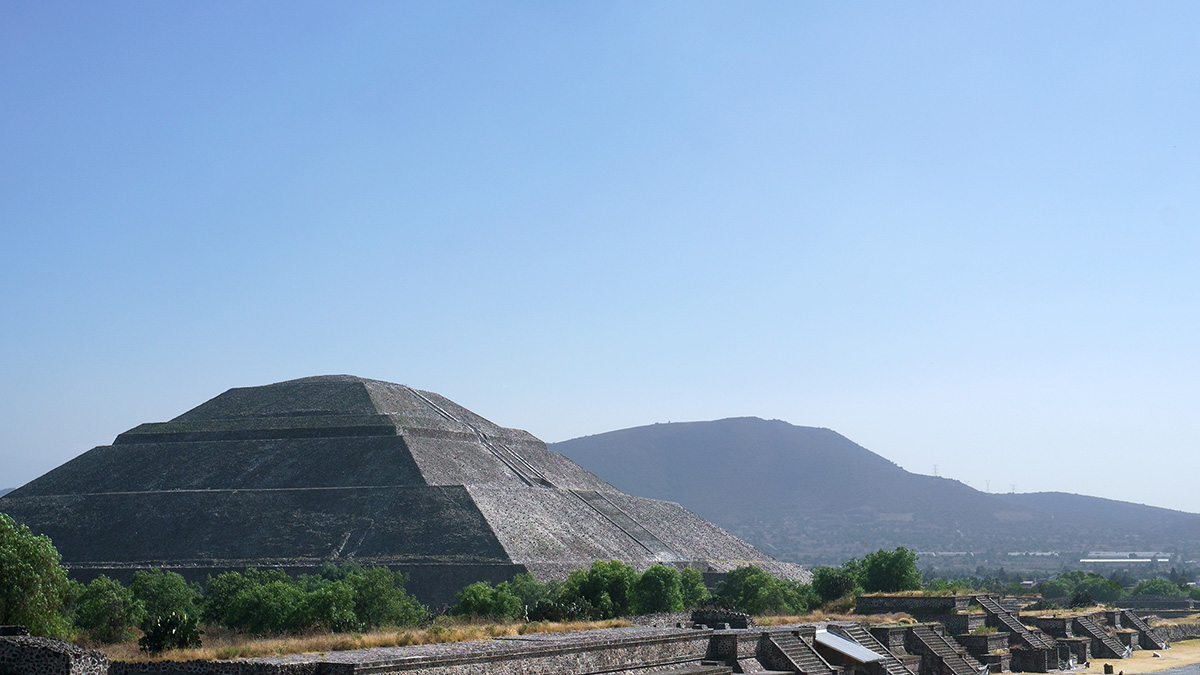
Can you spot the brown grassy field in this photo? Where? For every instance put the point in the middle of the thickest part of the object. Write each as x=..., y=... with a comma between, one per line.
x=221, y=643
x=813, y=617
x=1182, y=653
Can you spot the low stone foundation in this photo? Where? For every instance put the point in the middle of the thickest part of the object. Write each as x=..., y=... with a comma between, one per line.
x=25, y=655
x=1180, y=631
x=722, y=619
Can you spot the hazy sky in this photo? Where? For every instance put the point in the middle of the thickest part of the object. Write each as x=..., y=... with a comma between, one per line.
x=962, y=234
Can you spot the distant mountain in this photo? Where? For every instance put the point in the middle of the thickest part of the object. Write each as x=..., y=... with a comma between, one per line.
x=811, y=495
x=4, y=491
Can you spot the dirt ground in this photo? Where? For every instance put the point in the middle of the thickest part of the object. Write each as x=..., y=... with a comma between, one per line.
x=1143, y=661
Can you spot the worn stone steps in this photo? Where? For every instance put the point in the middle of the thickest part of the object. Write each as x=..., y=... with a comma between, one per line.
x=1014, y=625
x=956, y=659
x=1136, y=622
x=1094, y=631
x=801, y=654
x=862, y=636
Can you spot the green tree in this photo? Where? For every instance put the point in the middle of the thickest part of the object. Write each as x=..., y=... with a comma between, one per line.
x=603, y=591
x=172, y=631
x=659, y=589
x=531, y=591
x=691, y=584
x=1099, y=588
x=482, y=600
x=172, y=619
x=1157, y=586
x=750, y=589
x=163, y=592
x=381, y=600
x=259, y=602
x=832, y=583
x=220, y=593
x=1056, y=588
x=329, y=604
x=33, y=583
x=890, y=571
x=108, y=611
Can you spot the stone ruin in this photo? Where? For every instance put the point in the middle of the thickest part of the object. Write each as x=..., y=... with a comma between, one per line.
x=338, y=468
x=833, y=648
x=970, y=634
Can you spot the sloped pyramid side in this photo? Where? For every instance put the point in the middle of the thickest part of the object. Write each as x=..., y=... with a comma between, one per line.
x=300, y=472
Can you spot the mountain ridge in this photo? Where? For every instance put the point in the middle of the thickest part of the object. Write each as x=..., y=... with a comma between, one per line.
x=811, y=495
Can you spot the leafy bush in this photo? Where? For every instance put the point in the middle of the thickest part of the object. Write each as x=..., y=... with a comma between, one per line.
x=659, y=589
x=1071, y=584
x=108, y=611
x=1081, y=598
x=170, y=631
x=603, y=591
x=481, y=600
x=338, y=599
x=749, y=589
x=890, y=571
x=1157, y=586
x=692, y=588
x=33, y=583
x=380, y=598
x=531, y=591
x=831, y=583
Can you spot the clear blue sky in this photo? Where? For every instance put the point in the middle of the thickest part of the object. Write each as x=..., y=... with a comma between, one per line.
x=961, y=234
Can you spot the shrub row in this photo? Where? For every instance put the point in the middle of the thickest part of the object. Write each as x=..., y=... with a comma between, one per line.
x=606, y=590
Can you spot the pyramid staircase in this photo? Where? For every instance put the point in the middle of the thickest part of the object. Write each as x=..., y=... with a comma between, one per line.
x=801, y=656
x=955, y=658
x=1013, y=623
x=862, y=636
x=1091, y=629
x=1149, y=636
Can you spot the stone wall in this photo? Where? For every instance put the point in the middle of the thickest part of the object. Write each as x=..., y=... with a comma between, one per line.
x=229, y=668
x=892, y=637
x=1158, y=602
x=958, y=624
x=979, y=645
x=25, y=655
x=620, y=650
x=722, y=618
x=1179, y=631
x=1057, y=627
x=917, y=605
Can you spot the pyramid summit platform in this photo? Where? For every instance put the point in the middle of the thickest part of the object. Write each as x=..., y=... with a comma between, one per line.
x=338, y=468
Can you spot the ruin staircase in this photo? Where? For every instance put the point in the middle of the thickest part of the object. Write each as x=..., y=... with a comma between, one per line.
x=1093, y=630
x=954, y=657
x=802, y=656
x=1137, y=623
x=862, y=636
x=1013, y=624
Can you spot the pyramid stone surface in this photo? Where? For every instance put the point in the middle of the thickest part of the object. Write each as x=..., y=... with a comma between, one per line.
x=337, y=467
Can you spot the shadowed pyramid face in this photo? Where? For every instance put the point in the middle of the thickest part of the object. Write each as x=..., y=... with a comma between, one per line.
x=338, y=467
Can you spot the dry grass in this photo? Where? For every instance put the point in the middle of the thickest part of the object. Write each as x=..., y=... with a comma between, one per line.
x=1191, y=618
x=222, y=643
x=1063, y=612
x=819, y=616
x=1184, y=653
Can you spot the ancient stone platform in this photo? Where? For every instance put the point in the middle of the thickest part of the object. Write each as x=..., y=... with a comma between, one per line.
x=337, y=468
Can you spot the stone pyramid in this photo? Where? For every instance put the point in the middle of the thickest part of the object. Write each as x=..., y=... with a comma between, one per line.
x=337, y=468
